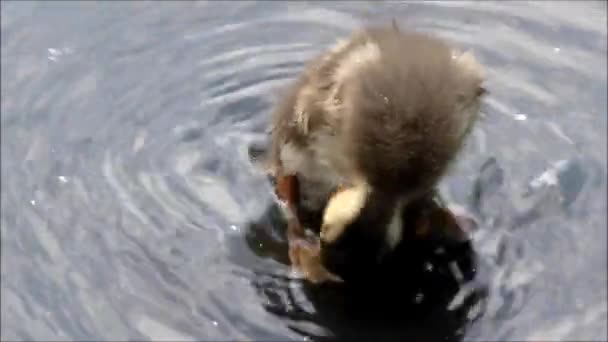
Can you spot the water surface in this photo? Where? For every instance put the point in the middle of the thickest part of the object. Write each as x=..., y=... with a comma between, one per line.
x=128, y=197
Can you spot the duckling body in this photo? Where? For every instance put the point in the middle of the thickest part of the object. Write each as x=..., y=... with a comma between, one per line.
x=380, y=116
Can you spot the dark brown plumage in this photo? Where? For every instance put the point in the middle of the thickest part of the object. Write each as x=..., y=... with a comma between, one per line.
x=408, y=112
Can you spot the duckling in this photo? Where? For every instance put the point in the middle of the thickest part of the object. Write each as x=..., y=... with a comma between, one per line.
x=369, y=127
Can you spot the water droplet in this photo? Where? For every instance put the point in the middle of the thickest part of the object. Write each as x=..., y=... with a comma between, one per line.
x=53, y=54
x=233, y=227
x=428, y=267
x=520, y=117
x=214, y=323
x=556, y=49
x=33, y=202
x=419, y=298
x=62, y=179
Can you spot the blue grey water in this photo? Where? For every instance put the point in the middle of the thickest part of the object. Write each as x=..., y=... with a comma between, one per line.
x=127, y=191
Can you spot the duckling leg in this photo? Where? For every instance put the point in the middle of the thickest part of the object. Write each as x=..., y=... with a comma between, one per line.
x=308, y=259
x=443, y=221
x=304, y=256
x=459, y=223
x=464, y=223
x=287, y=188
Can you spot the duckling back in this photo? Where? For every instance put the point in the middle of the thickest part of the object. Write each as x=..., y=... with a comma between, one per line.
x=385, y=107
x=407, y=104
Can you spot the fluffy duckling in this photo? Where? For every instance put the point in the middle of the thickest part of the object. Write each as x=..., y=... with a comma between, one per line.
x=370, y=126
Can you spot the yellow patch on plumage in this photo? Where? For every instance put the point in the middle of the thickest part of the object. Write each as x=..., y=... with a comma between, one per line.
x=469, y=64
x=301, y=116
x=336, y=48
x=341, y=210
x=471, y=101
x=355, y=60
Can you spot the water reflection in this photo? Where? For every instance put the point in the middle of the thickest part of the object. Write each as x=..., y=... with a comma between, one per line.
x=420, y=311
x=436, y=297
x=440, y=295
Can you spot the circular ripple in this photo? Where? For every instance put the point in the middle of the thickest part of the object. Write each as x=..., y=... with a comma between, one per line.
x=126, y=180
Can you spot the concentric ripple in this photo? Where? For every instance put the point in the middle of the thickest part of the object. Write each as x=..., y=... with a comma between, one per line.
x=127, y=191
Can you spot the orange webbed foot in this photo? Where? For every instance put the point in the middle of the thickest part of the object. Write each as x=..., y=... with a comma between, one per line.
x=306, y=258
x=304, y=255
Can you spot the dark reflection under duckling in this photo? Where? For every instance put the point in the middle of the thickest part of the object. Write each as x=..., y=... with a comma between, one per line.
x=407, y=297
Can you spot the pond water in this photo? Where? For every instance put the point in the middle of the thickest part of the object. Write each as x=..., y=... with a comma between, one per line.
x=128, y=196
